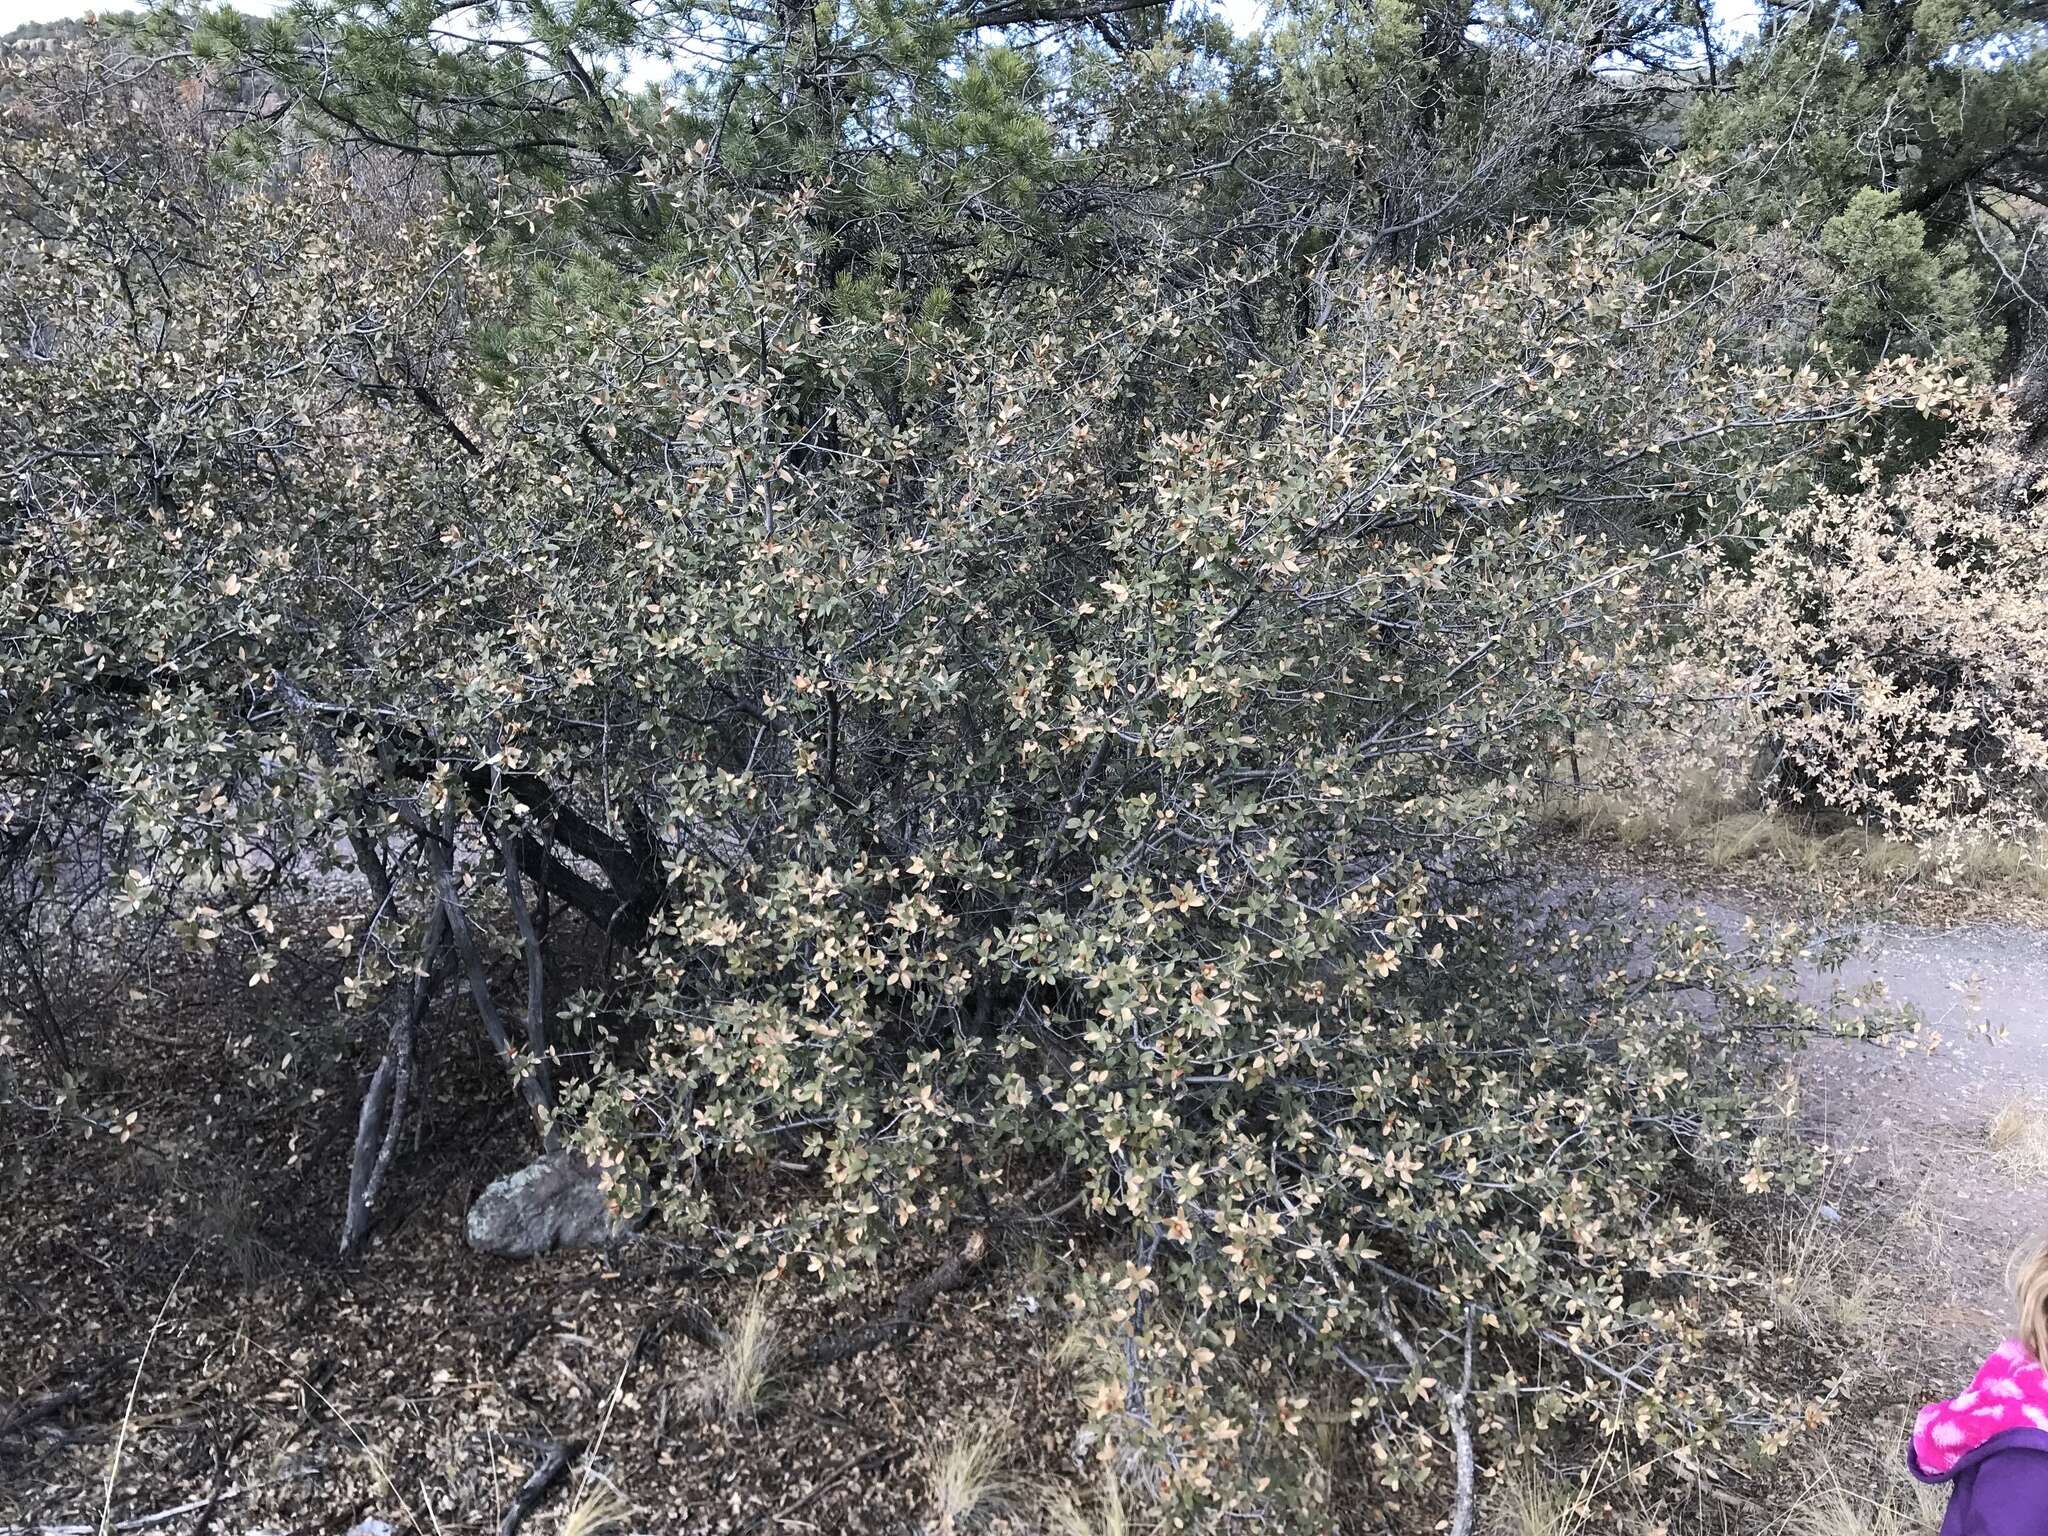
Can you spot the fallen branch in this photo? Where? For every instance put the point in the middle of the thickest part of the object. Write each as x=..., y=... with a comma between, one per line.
x=695, y=1324
x=220, y=1473
x=528, y=1332
x=536, y=1487
x=29, y=1412
x=868, y=1463
x=903, y=1318
x=162, y=1516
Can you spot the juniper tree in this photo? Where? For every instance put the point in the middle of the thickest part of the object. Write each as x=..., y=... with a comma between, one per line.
x=1913, y=140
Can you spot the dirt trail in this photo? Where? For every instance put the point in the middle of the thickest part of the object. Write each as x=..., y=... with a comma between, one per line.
x=1912, y=1122
x=1915, y=1125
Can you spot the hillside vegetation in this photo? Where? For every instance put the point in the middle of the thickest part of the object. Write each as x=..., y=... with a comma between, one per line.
x=940, y=637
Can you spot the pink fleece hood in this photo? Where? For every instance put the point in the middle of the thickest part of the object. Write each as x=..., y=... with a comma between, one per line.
x=2010, y=1392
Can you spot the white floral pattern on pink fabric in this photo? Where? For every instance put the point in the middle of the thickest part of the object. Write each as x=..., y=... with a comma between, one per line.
x=2010, y=1392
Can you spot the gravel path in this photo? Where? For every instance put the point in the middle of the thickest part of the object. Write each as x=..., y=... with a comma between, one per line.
x=1912, y=1122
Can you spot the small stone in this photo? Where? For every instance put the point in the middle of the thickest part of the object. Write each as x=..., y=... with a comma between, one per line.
x=556, y=1202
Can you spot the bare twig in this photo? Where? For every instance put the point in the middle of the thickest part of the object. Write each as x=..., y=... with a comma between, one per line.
x=161, y=1516
x=219, y=1491
x=911, y=1305
x=868, y=1463
x=536, y=1487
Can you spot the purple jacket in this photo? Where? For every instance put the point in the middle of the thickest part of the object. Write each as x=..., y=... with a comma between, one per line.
x=1999, y=1488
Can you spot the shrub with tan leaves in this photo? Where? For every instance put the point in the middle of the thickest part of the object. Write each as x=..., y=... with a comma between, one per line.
x=1890, y=638
x=1022, y=759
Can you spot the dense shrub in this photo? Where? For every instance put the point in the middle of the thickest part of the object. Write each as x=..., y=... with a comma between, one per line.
x=1171, y=857
x=1021, y=764
x=1890, y=637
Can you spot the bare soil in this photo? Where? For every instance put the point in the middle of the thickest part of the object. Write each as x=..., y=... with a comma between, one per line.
x=172, y=1308
x=1930, y=1210
x=1913, y=1125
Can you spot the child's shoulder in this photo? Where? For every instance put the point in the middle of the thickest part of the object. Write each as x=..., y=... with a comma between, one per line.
x=2009, y=1362
x=2008, y=1397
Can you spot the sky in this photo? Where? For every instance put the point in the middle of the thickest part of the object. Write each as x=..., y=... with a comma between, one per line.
x=15, y=13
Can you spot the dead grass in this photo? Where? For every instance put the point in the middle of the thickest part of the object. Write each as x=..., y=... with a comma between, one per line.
x=1861, y=1488
x=968, y=1480
x=417, y=1385
x=1525, y=1505
x=1678, y=799
x=536, y=1347
x=1725, y=835
x=1109, y=1515
x=229, y=1214
x=1818, y=1289
x=1923, y=1239
x=737, y=1383
x=2018, y=1135
x=598, y=1509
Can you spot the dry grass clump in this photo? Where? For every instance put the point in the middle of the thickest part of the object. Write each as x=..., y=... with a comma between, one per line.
x=1815, y=1288
x=1109, y=1515
x=1741, y=836
x=2018, y=1134
x=599, y=1509
x=1865, y=1490
x=1991, y=861
x=742, y=1374
x=1687, y=795
x=1972, y=861
x=1725, y=835
x=1525, y=1505
x=967, y=1477
x=1853, y=1487
x=229, y=1215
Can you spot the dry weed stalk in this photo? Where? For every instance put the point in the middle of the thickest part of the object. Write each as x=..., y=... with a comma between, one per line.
x=967, y=1477
x=750, y=1355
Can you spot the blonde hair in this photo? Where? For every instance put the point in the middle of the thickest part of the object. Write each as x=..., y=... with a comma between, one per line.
x=2030, y=1286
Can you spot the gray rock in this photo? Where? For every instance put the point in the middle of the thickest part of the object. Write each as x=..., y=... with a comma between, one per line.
x=556, y=1202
